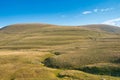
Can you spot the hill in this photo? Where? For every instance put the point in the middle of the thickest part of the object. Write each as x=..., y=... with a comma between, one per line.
x=38, y=35
x=103, y=27
x=91, y=48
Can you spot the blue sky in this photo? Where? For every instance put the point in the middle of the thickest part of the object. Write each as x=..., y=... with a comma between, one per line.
x=60, y=12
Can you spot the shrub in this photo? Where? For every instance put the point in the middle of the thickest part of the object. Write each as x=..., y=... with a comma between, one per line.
x=113, y=71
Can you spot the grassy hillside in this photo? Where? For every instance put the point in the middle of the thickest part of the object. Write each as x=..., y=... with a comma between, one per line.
x=92, y=48
x=106, y=28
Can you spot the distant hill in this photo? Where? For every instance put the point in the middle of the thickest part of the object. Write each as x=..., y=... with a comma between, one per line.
x=103, y=27
x=87, y=48
x=20, y=34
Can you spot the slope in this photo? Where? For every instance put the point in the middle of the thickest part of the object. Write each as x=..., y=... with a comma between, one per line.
x=106, y=28
x=79, y=47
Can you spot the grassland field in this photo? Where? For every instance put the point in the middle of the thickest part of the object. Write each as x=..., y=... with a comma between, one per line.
x=50, y=52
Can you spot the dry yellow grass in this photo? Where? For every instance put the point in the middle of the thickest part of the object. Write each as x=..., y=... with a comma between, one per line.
x=23, y=48
x=22, y=52
x=27, y=65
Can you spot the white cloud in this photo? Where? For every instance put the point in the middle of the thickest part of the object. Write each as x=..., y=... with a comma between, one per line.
x=115, y=22
x=97, y=10
x=87, y=12
x=106, y=9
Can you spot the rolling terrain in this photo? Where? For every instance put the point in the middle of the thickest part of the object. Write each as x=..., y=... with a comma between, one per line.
x=51, y=52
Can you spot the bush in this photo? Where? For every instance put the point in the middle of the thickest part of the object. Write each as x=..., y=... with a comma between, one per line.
x=112, y=71
x=57, y=53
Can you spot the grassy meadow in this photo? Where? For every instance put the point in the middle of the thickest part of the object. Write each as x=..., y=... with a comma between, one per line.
x=27, y=65
x=50, y=52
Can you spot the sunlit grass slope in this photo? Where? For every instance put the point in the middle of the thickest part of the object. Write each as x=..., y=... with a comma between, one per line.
x=27, y=65
x=92, y=48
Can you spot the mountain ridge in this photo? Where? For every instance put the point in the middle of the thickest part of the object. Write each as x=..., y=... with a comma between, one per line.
x=104, y=27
